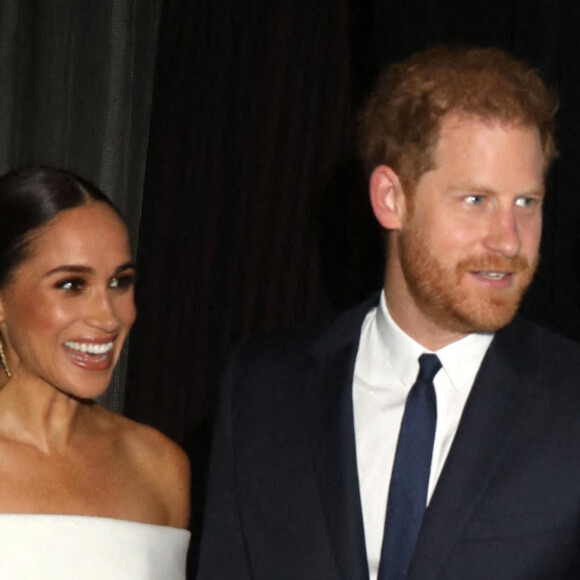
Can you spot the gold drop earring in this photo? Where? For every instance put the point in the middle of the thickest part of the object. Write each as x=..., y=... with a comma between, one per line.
x=3, y=361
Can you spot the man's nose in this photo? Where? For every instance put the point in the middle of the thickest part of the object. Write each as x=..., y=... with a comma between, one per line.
x=503, y=235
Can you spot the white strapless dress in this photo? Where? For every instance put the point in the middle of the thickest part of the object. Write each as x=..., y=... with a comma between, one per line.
x=63, y=547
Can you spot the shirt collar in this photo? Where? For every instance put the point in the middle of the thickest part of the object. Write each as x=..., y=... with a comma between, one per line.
x=460, y=359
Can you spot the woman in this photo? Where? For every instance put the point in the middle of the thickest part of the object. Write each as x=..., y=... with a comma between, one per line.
x=84, y=492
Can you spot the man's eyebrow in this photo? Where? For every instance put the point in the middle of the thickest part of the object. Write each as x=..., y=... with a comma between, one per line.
x=469, y=187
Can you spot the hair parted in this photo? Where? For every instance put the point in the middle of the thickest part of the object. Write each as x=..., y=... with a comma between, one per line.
x=29, y=199
x=400, y=124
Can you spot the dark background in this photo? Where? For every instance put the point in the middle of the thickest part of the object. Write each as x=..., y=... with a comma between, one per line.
x=255, y=215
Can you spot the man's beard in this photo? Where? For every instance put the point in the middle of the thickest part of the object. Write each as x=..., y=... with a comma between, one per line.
x=448, y=299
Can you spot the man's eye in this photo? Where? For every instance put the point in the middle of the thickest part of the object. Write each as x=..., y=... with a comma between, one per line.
x=525, y=202
x=474, y=199
x=73, y=285
x=122, y=282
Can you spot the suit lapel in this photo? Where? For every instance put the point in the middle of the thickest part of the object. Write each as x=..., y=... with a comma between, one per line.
x=333, y=445
x=497, y=397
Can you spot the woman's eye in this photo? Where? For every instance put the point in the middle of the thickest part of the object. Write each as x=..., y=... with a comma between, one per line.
x=123, y=282
x=73, y=285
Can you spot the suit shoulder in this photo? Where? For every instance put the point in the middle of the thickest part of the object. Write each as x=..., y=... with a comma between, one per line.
x=544, y=342
x=552, y=359
x=271, y=365
x=310, y=339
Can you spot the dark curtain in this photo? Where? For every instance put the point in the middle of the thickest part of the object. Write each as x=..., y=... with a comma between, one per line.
x=255, y=215
x=250, y=117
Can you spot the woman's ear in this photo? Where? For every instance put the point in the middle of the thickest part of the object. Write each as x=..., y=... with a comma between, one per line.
x=387, y=197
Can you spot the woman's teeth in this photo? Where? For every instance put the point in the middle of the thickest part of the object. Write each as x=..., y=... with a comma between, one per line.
x=91, y=348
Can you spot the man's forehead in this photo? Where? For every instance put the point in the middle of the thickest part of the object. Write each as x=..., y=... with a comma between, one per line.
x=458, y=119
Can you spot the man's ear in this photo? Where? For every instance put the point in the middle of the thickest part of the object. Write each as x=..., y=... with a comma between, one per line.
x=387, y=197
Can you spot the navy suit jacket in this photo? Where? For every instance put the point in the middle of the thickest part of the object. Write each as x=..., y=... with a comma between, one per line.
x=283, y=498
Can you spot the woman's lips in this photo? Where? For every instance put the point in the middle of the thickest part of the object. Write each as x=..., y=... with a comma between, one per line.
x=90, y=355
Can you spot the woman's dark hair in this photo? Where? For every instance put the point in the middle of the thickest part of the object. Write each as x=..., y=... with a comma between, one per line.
x=29, y=199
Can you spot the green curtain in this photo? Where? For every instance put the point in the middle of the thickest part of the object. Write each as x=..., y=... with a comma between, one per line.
x=76, y=82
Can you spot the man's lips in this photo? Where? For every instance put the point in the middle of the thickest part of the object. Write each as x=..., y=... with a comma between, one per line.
x=494, y=275
x=494, y=280
x=494, y=267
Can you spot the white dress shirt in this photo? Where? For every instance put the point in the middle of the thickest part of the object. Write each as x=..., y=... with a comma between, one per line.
x=385, y=370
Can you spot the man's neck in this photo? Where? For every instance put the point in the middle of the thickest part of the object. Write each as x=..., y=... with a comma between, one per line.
x=414, y=322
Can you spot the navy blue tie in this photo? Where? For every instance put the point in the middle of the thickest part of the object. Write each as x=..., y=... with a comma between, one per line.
x=410, y=477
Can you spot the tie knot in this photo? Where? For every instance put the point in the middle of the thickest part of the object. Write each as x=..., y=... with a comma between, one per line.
x=429, y=365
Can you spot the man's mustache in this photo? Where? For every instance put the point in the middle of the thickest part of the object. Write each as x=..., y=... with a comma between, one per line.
x=490, y=263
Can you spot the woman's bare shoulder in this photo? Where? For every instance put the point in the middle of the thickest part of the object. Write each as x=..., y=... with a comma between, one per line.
x=158, y=459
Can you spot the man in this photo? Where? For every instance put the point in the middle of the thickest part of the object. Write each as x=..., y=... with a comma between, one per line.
x=326, y=463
